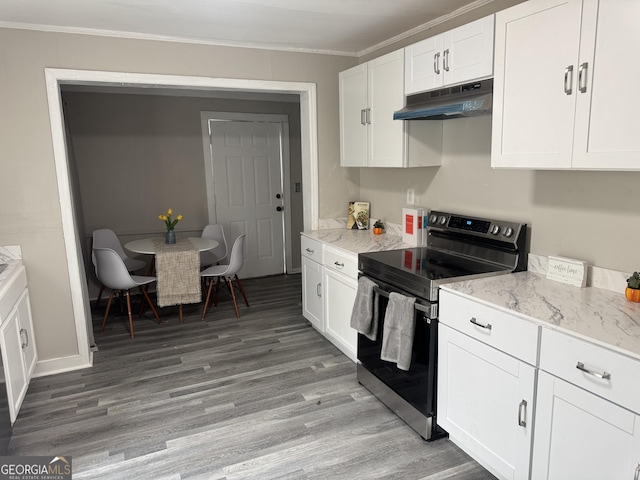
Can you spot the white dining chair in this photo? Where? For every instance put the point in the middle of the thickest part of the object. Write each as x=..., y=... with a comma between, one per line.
x=217, y=254
x=228, y=274
x=113, y=274
x=106, y=238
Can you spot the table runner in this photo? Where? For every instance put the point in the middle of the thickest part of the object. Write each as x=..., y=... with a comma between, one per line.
x=178, y=272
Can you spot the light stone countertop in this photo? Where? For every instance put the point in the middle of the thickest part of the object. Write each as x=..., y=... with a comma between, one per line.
x=357, y=241
x=597, y=315
x=12, y=257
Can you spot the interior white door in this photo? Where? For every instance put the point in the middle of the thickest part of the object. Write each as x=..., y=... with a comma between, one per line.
x=247, y=177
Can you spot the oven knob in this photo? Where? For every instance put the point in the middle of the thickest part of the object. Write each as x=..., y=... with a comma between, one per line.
x=508, y=232
x=433, y=218
x=443, y=220
x=495, y=229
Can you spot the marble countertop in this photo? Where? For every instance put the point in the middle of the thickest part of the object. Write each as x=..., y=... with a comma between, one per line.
x=594, y=314
x=357, y=241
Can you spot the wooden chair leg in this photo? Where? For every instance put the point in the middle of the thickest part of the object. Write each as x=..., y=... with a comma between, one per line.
x=215, y=296
x=206, y=302
x=99, y=295
x=126, y=294
x=180, y=313
x=106, y=313
x=233, y=296
x=148, y=299
x=242, y=291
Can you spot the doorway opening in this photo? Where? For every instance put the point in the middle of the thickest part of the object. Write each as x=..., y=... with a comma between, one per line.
x=55, y=78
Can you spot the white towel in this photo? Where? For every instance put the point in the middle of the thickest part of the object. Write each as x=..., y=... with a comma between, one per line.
x=364, y=316
x=398, y=330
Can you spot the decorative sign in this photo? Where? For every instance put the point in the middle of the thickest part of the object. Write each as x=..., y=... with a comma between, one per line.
x=567, y=270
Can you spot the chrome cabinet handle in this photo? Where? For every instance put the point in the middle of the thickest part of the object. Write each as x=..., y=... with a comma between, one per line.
x=319, y=289
x=522, y=408
x=603, y=375
x=568, y=72
x=363, y=117
x=309, y=250
x=338, y=264
x=582, y=86
x=436, y=63
x=445, y=60
x=475, y=322
x=368, y=116
x=637, y=475
x=25, y=344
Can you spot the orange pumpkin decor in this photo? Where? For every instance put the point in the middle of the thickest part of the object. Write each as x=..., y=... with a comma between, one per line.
x=633, y=288
x=632, y=294
x=378, y=227
x=378, y=231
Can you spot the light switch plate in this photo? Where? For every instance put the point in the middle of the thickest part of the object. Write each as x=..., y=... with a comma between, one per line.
x=410, y=196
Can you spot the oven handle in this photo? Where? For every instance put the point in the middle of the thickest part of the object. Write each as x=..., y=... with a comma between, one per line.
x=416, y=305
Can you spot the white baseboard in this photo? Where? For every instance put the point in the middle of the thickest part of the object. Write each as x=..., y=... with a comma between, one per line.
x=61, y=365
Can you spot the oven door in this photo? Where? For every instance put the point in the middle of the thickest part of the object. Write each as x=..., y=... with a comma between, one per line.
x=417, y=385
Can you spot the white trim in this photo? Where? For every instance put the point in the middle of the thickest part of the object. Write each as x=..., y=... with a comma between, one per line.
x=61, y=365
x=55, y=77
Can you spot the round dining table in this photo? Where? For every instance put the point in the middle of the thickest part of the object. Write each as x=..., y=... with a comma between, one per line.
x=146, y=246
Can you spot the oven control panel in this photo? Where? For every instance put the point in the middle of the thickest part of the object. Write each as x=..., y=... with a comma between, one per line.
x=485, y=227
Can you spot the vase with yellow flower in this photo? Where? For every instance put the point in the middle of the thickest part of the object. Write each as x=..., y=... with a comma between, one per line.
x=170, y=236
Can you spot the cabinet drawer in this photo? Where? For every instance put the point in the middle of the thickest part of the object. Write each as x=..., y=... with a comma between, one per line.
x=498, y=329
x=341, y=261
x=312, y=248
x=561, y=353
x=16, y=284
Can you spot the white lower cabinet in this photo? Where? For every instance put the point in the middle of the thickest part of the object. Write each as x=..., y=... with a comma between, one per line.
x=587, y=412
x=341, y=285
x=16, y=340
x=329, y=286
x=580, y=435
x=486, y=396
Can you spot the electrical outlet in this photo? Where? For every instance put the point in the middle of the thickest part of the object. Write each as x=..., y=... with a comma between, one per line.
x=410, y=196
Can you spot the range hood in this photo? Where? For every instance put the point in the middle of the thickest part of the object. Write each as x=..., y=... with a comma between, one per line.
x=468, y=100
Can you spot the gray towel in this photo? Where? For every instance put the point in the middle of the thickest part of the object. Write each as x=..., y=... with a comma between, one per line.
x=364, y=316
x=398, y=331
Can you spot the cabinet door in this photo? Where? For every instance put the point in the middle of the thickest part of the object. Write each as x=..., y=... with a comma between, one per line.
x=312, y=300
x=12, y=357
x=580, y=435
x=468, y=52
x=386, y=95
x=485, y=402
x=28, y=342
x=423, y=65
x=353, y=126
x=340, y=293
x=606, y=134
x=535, y=90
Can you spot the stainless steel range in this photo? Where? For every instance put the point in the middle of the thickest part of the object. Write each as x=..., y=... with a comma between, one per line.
x=458, y=247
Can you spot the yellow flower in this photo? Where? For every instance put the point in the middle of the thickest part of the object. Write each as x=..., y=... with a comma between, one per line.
x=167, y=219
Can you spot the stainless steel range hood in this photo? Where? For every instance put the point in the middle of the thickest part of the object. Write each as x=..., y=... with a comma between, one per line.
x=468, y=100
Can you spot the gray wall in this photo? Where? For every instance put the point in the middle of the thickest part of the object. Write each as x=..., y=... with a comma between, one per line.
x=137, y=155
x=28, y=184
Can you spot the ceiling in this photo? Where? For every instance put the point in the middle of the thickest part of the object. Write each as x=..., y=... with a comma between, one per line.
x=342, y=27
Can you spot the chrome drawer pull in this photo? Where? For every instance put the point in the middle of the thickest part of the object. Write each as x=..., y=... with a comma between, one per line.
x=567, y=83
x=475, y=322
x=309, y=250
x=522, y=407
x=582, y=85
x=25, y=344
x=338, y=264
x=319, y=289
x=637, y=475
x=603, y=375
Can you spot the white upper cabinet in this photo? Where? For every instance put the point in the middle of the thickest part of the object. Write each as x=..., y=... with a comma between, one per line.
x=369, y=136
x=563, y=86
x=460, y=55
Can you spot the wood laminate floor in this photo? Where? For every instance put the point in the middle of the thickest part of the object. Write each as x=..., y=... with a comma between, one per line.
x=263, y=397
